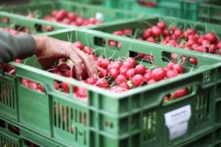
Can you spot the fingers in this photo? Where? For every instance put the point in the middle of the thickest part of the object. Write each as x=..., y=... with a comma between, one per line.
x=77, y=64
x=89, y=63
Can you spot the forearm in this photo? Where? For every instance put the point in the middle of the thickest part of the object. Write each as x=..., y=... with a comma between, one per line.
x=16, y=46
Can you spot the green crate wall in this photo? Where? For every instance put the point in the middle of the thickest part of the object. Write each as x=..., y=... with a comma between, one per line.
x=124, y=112
x=87, y=11
x=99, y=2
x=35, y=26
x=202, y=10
x=139, y=25
x=16, y=135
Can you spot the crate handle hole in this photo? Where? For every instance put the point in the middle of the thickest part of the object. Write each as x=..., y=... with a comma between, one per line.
x=14, y=129
x=39, y=27
x=2, y=123
x=5, y=20
x=98, y=41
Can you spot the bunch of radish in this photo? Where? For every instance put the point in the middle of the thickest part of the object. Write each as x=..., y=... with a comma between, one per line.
x=114, y=75
x=187, y=39
x=70, y=18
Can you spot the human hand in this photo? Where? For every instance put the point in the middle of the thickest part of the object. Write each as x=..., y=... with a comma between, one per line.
x=50, y=50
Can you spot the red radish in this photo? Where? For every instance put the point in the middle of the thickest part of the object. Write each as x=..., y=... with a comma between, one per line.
x=140, y=69
x=212, y=49
x=155, y=31
x=219, y=45
x=147, y=76
x=25, y=82
x=56, y=85
x=170, y=65
x=33, y=85
x=91, y=80
x=80, y=92
x=117, y=64
x=66, y=21
x=120, y=79
x=158, y=74
x=79, y=45
x=124, y=85
x=174, y=56
x=179, y=93
x=178, y=68
x=114, y=72
x=131, y=61
x=161, y=25
x=88, y=50
x=65, y=87
x=128, y=65
x=73, y=23
x=72, y=16
x=59, y=16
x=104, y=63
x=18, y=61
x=118, y=33
x=138, y=80
x=102, y=82
x=49, y=28
x=206, y=43
x=166, y=98
x=123, y=70
x=193, y=61
x=130, y=73
x=112, y=43
x=119, y=45
x=5, y=19
x=103, y=73
x=178, y=33
x=151, y=39
x=127, y=31
x=79, y=21
x=166, y=32
x=200, y=49
x=57, y=71
x=147, y=33
x=41, y=88
x=211, y=37
x=92, y=20
x=190, y=31
x=171, y=73
x=152, y=81
x=68, y=74
x=117, y=89
x=173, y=28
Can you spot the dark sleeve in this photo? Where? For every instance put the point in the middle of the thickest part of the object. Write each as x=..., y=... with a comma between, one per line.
x=15, y=46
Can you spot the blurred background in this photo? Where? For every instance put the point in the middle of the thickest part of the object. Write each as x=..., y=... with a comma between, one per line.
x=13, y=2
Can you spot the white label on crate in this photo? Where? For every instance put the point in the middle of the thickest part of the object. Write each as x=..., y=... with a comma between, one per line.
x=177, y=121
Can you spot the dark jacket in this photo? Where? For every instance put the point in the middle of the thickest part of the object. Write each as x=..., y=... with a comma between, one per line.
x=15, y=46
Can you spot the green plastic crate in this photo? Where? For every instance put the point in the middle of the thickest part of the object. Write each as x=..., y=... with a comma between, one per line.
x=139, y=25
x=87, y=11
x=116, y=119
x=14, y=135
x=99, y=2
x=210, y=12
x=34, y=26
x=200, y=10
